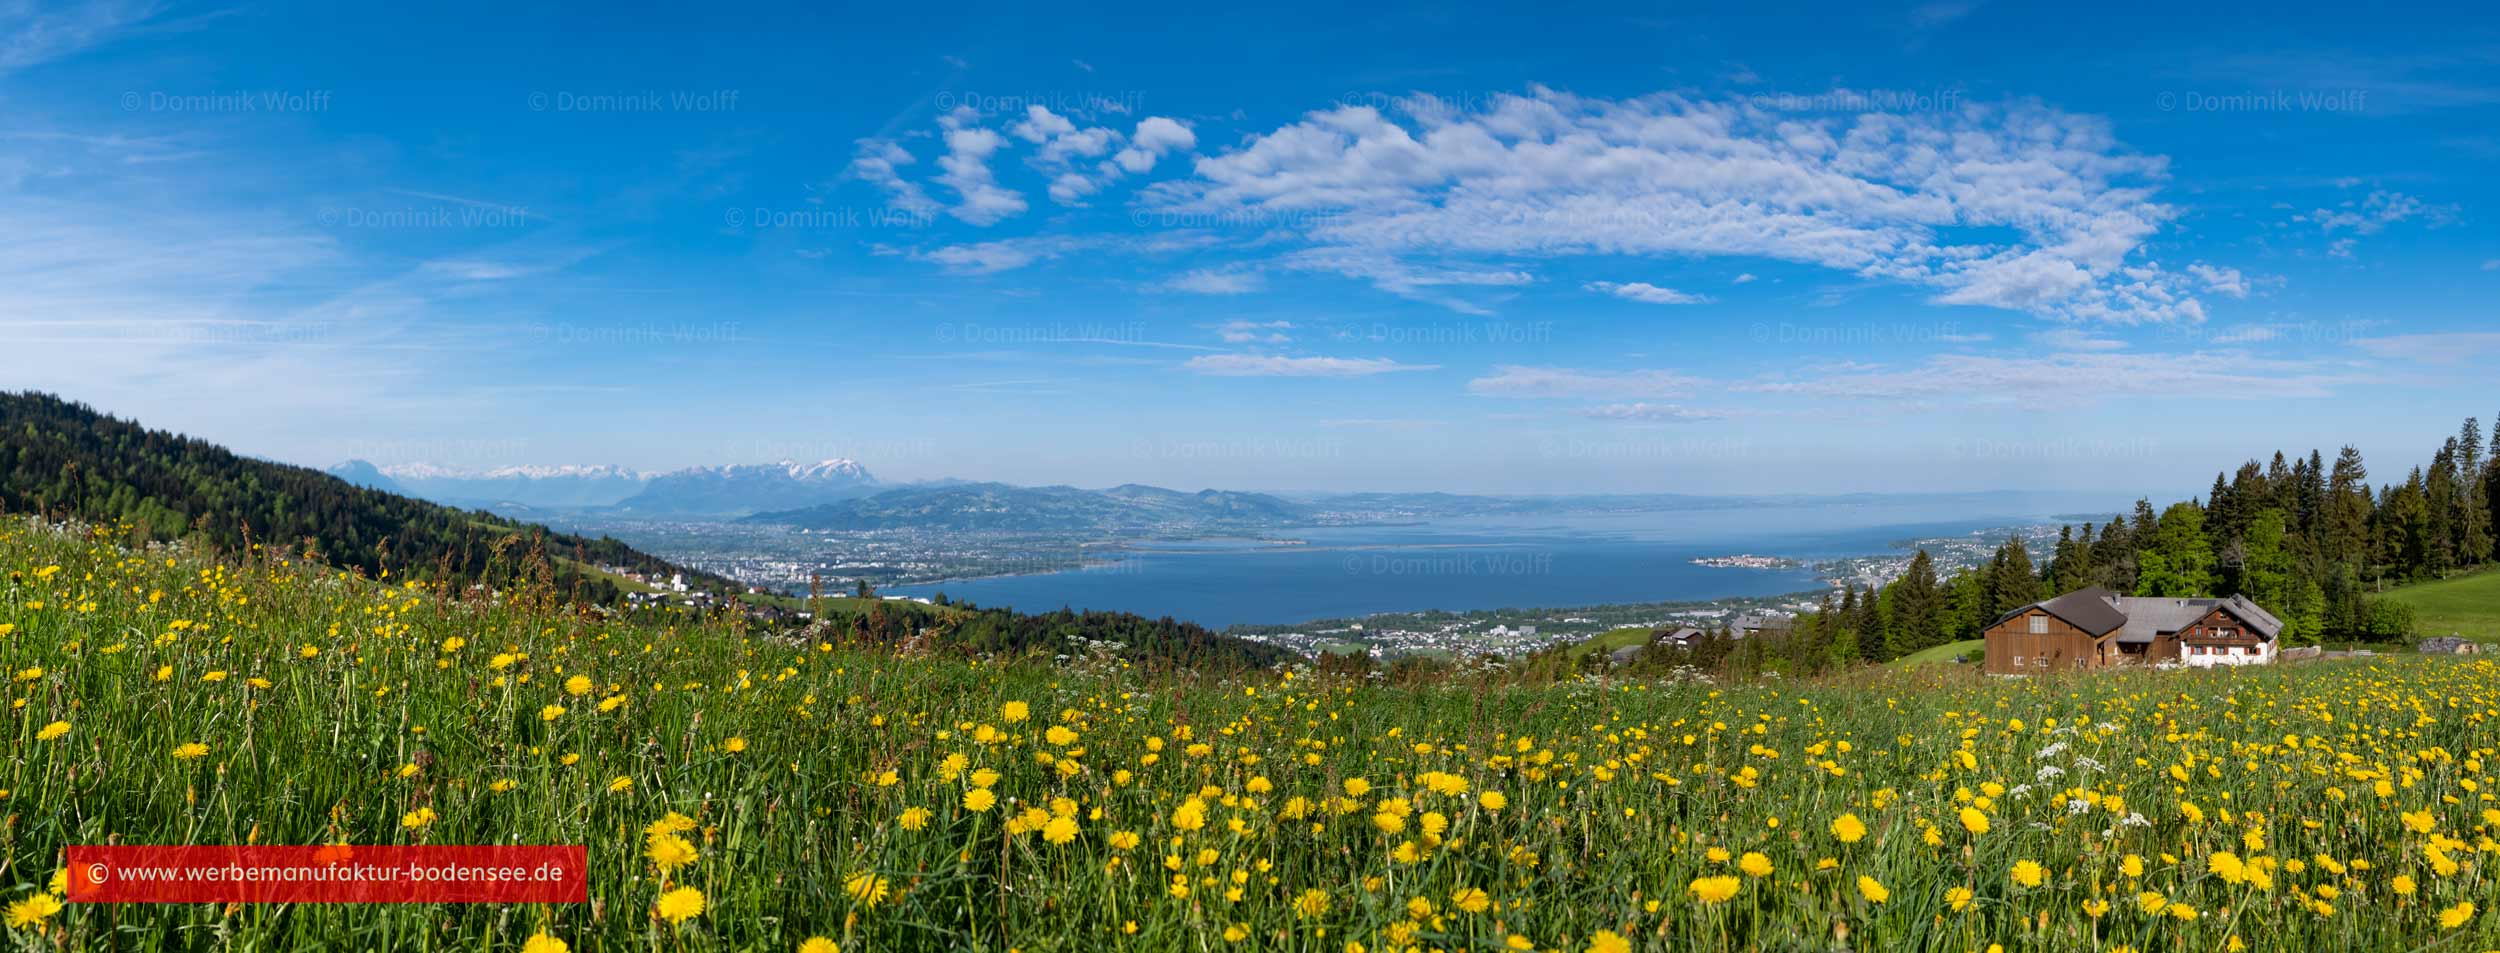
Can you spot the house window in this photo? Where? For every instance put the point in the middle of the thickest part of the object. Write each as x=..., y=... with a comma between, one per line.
x=2039, y=625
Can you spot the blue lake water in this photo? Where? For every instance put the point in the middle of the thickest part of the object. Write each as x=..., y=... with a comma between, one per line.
x=1492, y=563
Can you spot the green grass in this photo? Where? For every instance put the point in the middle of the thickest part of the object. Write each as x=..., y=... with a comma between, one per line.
x=2465, y=605
x=847, y=793
x=1938, y=654
x=1612, y=639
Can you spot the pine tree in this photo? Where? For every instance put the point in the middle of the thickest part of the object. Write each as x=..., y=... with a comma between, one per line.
x=1917, y=608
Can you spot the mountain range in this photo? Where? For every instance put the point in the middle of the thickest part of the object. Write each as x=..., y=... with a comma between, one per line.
x=722, y=491
x=999, y=507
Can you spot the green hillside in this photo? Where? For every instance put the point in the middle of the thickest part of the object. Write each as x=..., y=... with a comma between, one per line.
x=2466, y=605
x=66, y=460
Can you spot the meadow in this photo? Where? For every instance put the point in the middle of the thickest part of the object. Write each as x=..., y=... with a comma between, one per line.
x=739, y=790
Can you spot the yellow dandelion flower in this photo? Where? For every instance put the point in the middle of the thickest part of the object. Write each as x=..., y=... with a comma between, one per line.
x=679, y=905
x=1848, y=828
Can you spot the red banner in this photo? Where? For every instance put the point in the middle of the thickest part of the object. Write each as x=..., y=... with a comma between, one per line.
x=331, y=873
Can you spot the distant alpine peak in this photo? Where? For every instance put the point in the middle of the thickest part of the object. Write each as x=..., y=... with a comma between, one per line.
x=429, y=471
x=836, y=470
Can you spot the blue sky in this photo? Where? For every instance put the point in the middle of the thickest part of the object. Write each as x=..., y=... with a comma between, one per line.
x=1951, y=245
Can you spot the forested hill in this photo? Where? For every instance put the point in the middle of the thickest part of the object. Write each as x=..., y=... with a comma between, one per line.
x=64, y=459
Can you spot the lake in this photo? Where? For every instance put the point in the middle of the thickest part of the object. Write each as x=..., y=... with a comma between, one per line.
x=1497, y=562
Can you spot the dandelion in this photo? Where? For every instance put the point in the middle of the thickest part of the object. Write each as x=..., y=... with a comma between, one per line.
x=1958, y=898
x=679, y=905
x=1873, y=890
x=1714, y=889
x=1012, y=712
x=620, y=785
x=52, y=731
x=33, y=910
x=1754, y=864
x=1848, y=828
x=1608, y=941
x=669, y=852
x=1312, y=905
x=1974, y=820
x=1059, y=830
x=2454, y=917
x=2028, y=873
x=418, y=819
x=1493, y=800
x=979, y=799
x=913, y=819
x=191, y=752
x=866, y=888
x=540, y=942
x=818, y=944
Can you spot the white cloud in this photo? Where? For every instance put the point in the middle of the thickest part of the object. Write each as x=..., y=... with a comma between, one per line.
x=1255, y=332
x=1005, y=254
x=2220, y=280
x=2064, y=381
x=879, y=162
x=1511, y=380
x=2450, y=347
x=2070, y=339
x=1650, y=412
x=1746, y=278
x=30, y=36
x=2492, y=265
x=1211, y=281
x=1644, y=292
x=967, y=170
x=1264, y=365
x=2371, y=214
x=1885, y=196
x=1155, y=137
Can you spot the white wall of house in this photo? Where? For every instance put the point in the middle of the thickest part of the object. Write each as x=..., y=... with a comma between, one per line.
x=2204, y=656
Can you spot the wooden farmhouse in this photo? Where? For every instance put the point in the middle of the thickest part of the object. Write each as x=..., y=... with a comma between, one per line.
x=2095, y=628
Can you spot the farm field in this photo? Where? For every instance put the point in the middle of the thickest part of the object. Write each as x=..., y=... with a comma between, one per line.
x=740, y=792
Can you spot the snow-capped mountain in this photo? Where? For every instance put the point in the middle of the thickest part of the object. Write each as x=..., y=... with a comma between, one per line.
x=740, y=489
x=569, y=485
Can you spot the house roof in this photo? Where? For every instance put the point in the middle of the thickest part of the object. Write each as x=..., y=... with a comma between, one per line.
x=2089, y=609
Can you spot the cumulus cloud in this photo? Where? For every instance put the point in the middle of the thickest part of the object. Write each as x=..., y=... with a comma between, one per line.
x=1644, y=292
x=1155, y=137
x=1511, y=380
x=880, y=162
x=2220, y=280
x=1268, y=365
x=2370, y=215
x=966, y=169
x=1893, y=197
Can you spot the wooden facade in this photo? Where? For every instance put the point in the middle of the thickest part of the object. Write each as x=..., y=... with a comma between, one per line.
x=2038, y=642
